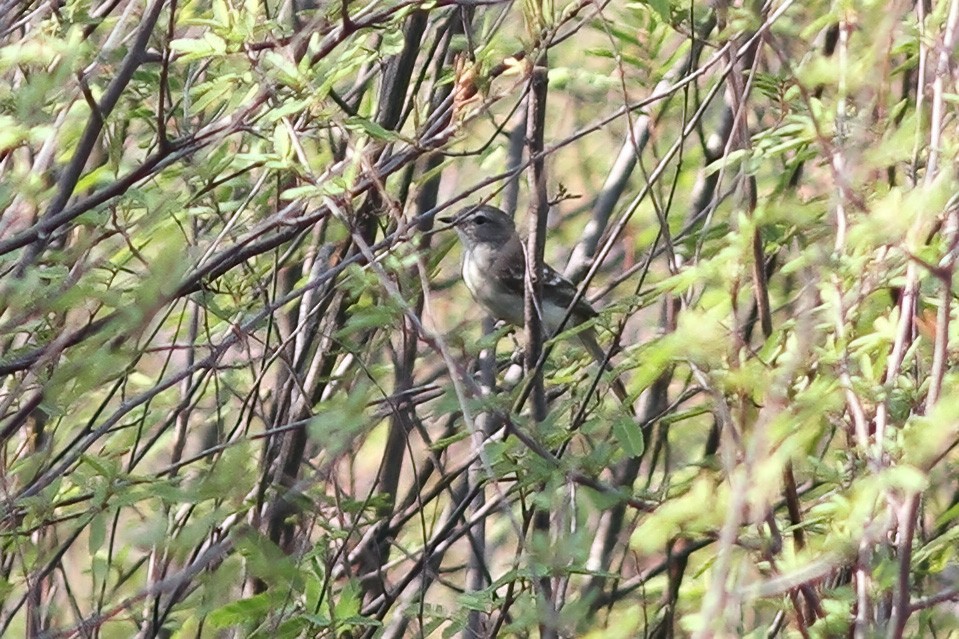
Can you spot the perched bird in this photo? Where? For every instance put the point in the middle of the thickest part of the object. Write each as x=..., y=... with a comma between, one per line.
x=494, y=269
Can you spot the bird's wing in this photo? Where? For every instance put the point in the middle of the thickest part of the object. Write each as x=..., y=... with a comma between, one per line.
x=511, y=271
x=563, y=293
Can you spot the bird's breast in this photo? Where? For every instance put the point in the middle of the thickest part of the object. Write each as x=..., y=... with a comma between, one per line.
x=496, y=299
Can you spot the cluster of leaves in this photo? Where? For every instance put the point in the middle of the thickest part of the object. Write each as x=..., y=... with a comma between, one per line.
x=242, y=388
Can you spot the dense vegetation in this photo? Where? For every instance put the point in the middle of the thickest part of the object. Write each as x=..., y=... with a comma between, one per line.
x=243, y=391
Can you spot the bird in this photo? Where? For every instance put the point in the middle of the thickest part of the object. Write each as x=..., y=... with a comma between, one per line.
x=494, y=271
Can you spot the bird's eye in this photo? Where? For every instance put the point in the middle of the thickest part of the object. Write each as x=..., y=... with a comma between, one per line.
x=479, y=219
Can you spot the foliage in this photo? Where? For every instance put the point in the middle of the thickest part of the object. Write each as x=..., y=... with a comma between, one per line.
x=244, y=391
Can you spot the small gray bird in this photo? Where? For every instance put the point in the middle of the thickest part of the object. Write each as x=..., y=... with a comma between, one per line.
x=494, y=269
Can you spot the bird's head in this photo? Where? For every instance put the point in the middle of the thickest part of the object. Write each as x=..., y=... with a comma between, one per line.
x=482, y=224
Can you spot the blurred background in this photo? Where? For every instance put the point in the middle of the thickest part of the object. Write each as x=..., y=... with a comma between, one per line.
x=245, y=393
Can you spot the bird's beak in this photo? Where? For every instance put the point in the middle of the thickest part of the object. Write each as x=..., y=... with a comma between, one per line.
x=447, y=220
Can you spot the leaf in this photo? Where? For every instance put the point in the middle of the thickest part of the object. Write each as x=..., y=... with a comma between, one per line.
x=209, y=45
x=319, y=621
x=212, y=93
x=222, y=12
x=339, y=421
x=348, y=604
x=236, y=613
x=365, y=317
x=662, y=9
x=629, y=436
x=445, y=442
x=268, y=562
x=300, y=192
x=372, y=129
x=286, y=70
x=730, y=159
x=97, y=533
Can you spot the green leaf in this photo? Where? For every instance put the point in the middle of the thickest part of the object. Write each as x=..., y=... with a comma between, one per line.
x=318, y=621
x=731, y=159
x=198, y=48
x=662, y=9
x=249, y=610
x=340, y=420
x=446, y=442
x=348, y=604
x=629, y=436
x=268, y=562
x=372, y=129
x=97, y=533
